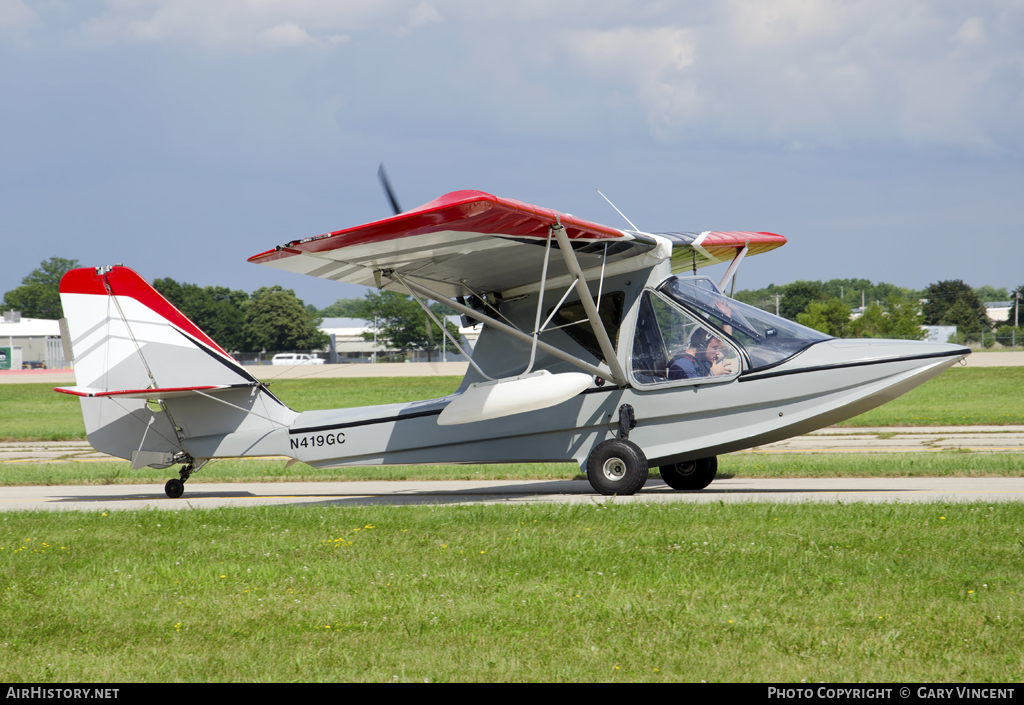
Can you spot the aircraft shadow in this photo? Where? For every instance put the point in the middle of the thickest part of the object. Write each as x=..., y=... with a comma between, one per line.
x=509, y=493
x=512, y=493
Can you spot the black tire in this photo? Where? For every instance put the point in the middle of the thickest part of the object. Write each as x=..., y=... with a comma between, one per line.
x=617, y=466
x=690, y=475
x=174, y=488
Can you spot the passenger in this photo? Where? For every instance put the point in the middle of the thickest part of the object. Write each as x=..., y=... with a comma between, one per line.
x=705, y=357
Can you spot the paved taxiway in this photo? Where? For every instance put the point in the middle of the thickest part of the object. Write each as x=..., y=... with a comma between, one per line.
x=827, y=440
x=731, y=490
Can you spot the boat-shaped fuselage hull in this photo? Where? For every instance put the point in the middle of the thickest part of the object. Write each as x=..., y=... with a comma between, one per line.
x=828, y=383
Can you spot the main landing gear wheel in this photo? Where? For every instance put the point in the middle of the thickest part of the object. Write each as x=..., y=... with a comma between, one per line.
x=174, y=488
x=617, y=466
x=690, y=475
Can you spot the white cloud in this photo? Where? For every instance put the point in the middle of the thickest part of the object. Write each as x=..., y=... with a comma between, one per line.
x=423, y=14
x=822, y=73
x=651, y=63
x=763, y=23
x=805, y=73
x=287, y=35
x=971, y=32
x=15, y=15
x=242, y=26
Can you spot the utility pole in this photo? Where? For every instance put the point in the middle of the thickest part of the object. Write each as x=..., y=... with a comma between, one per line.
x=777, y=297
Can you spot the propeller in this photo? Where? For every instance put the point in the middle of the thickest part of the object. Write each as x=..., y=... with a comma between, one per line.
x=383, y=176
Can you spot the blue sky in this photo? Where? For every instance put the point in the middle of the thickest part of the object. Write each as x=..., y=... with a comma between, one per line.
x=884, y=140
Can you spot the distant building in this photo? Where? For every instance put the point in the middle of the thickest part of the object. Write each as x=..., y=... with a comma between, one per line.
x=38, y=338
x=998, y=310
x=939, y=334
x=350, y=345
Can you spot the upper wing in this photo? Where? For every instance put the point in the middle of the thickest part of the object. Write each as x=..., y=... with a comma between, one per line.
x=470, y=241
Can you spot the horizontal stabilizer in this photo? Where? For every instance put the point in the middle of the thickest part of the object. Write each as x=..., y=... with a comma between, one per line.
x=168, y=393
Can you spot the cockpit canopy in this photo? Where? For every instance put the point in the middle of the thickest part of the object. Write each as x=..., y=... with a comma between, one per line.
x=701, y=337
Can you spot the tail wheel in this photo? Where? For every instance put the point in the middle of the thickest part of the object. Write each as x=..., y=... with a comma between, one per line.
x=617, y=466
x=174, y=488
x=691, y=474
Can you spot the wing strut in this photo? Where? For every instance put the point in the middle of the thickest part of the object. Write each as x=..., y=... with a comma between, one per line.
x=730, y=273
x=586, y=299
x=540, y=303
x=607, y=349
x=498, y=325
x=444, y=329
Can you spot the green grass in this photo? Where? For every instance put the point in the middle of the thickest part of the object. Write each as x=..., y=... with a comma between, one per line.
x=958, y=397
x=339, y=393
x=760, y=465
x=763, y=593
x=971, y=396
x=34, y=412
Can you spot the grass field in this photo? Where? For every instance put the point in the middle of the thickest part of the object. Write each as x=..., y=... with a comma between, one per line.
x=766, y=593
x=958, y=397
x=962, y=396
x=928, y=464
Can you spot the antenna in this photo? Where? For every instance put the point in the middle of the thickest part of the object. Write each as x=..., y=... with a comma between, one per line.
x=618, y=211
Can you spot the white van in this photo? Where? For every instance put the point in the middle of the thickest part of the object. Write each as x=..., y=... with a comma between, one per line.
x=296, y=359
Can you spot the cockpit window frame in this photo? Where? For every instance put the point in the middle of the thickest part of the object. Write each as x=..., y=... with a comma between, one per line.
x=698, y=321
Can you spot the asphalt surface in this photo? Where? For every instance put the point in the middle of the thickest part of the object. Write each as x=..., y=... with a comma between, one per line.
x=731, y=490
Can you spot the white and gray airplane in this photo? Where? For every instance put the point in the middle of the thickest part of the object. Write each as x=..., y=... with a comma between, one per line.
x=599, y=346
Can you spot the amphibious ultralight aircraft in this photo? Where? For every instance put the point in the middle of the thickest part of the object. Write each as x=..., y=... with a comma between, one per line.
x=599, y=346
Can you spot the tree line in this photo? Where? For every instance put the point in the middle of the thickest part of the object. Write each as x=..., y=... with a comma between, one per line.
x=889, y=311
x=273, y=319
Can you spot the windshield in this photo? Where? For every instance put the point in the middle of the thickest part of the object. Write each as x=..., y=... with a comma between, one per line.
x=768, y=339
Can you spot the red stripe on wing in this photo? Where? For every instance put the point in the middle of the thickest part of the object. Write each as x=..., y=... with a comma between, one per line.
x=460, y=211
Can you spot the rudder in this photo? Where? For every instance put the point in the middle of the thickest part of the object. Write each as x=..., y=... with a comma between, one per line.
x=154, y=388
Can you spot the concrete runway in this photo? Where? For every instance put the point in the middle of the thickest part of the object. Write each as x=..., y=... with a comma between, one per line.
x=732, y=490
x=828, y=441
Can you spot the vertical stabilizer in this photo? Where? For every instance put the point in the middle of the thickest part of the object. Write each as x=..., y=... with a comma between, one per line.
x=153, y=386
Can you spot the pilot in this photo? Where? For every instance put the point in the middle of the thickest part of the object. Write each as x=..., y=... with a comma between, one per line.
x=705, y=357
